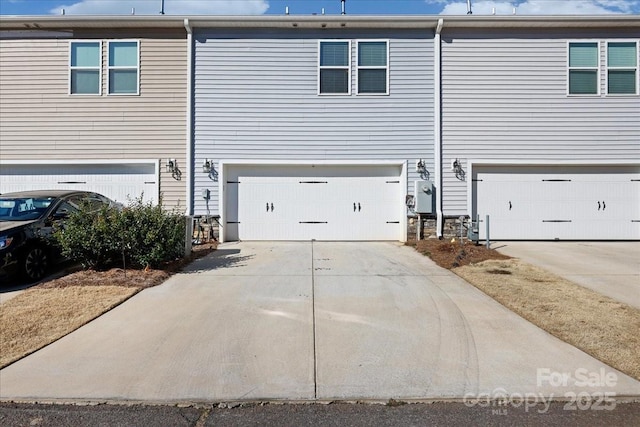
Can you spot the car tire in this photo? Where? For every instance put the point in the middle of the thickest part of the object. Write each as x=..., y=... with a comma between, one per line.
x=35, y=263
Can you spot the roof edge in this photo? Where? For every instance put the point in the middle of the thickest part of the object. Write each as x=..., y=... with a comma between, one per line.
x=53, y=22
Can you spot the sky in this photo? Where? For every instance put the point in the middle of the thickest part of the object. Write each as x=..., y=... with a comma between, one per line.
x=308, y=7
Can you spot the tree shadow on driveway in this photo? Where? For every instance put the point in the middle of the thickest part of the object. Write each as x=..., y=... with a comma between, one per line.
x=220, y=259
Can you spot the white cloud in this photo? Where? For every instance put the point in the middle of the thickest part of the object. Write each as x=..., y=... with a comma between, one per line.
x=171, y=7
x=539, y=7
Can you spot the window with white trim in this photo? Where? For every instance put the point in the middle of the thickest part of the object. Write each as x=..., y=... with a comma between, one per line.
x=622, y=68
x=583, y=68
x=373, y=67
x=334, y=64
x=123, y=68
x=85, y=64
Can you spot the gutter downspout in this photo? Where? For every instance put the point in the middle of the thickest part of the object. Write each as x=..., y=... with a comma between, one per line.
x=189, y=151
x=437, y=124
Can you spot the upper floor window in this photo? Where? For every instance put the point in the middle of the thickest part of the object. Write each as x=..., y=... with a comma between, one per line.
x=373, y=67
x=84, y=68
x=334, y=67
x=123, y=68
x=583, y=68
x=622, y=68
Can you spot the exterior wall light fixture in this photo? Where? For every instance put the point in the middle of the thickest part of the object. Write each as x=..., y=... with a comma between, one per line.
x=172, y=168
x=171, y=165
x=206, y=166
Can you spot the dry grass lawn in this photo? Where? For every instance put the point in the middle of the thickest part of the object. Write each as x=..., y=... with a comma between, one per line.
x=598, y=325
x=39, y=316
x=47, y=312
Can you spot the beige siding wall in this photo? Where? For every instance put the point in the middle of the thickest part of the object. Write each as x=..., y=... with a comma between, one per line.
x=40, y=120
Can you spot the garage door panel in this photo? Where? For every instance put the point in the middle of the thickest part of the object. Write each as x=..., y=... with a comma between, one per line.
x=120, y=182
x=569, y=204
x=320, y=207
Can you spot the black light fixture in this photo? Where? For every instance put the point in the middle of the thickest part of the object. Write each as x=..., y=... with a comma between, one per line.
x=206, y=166
x=171, y=165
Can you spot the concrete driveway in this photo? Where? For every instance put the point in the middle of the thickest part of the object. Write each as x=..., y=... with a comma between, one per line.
x=610, y=268
x=307, y=321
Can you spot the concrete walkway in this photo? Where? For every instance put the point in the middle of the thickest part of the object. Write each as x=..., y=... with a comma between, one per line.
x=306, y=321
x=609, y=268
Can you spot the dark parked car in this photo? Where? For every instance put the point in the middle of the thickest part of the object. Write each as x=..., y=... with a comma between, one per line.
x=27, y=220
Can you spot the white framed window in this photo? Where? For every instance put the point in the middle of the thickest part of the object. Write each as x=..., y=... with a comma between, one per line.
x=373, y=67
x=123, y=77
x=622, y=68
x=583, y=68
x=85, y=67
x=334, y=67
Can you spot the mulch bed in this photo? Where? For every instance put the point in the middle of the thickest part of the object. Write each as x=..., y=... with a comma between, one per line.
x=141, y=279
x=450, y=254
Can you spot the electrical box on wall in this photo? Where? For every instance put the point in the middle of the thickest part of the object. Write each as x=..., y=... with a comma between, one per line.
x=425, y=197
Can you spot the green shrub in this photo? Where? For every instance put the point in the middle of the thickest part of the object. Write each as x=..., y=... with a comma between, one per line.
x=140, y=235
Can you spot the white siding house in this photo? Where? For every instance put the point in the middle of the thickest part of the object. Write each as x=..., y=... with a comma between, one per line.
x=312, y=133
x=329, y=127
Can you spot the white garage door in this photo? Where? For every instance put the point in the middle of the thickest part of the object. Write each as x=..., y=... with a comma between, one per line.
x=118, y=181
x=319, y=203
x=568, y=202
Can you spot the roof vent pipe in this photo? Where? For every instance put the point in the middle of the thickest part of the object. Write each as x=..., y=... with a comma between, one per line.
x=133, y=10
x=514, y=10
x=343, y=8
x=61, y=11
x=493, y=10
x=469, y=11
x=162, y=7
x=286, y=10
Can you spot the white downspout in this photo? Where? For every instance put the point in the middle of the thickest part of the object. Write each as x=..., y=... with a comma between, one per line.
x=437, y=125
x=189, y=151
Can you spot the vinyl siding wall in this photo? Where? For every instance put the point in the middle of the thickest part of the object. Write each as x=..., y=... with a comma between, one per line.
x=39, y=120
x=256, y=98
x=504, y=98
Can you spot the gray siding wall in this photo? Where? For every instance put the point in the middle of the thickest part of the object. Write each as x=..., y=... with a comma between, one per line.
x=256, y=99
x=504, y=98
x=39, y=120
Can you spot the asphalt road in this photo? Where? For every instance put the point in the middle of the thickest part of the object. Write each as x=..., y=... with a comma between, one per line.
x=336, y=414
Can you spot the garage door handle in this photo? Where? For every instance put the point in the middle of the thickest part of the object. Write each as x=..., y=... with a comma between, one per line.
x=268, y=207
x=354, y=207
x=271, y=207
x=358, y=207
x=510, y=205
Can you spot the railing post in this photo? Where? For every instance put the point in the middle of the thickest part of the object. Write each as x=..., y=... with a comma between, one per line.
x=487, y=225
x=188, y=235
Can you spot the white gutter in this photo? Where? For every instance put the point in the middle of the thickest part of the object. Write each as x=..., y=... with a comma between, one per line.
x=69, y=22
x=437, y=124
x=189, y=151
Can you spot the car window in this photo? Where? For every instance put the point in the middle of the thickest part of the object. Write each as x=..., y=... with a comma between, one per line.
x=92, y=202
x=23, y=209
x=65, y=209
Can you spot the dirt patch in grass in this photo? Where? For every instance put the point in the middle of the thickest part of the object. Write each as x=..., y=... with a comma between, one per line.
x=598, y=325
x=49, y=311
